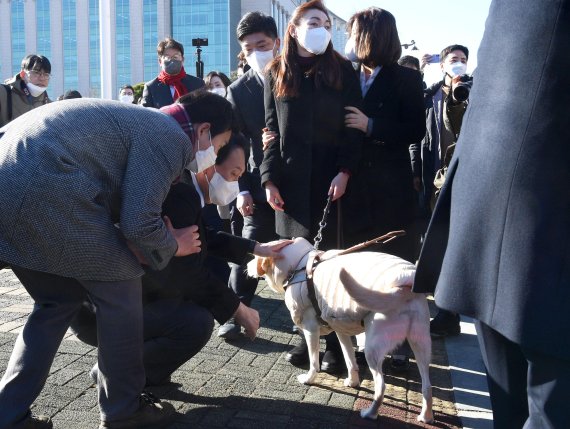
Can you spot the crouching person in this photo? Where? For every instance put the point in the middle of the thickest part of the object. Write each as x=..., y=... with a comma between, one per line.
x=181, y=302
x=62, y=191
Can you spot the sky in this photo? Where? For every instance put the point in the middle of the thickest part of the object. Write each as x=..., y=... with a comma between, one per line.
x=433, y=24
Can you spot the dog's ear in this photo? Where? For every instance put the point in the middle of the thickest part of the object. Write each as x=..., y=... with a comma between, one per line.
x=263, y=264
x=260, y=270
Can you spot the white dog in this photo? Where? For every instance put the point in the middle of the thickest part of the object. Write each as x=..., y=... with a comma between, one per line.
x=357, y=292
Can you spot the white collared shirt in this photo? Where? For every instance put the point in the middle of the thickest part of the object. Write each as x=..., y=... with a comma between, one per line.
x=365, y=84
x=202, y=202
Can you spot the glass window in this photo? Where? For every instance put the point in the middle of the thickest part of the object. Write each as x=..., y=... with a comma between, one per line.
x=203, y=18
x=94, y=50
x=18, y=35
x=70, y=73
x=150, y=39
x=43, y=36
x=123, y=43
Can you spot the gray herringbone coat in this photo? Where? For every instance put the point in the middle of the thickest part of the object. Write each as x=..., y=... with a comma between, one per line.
x=71, y=170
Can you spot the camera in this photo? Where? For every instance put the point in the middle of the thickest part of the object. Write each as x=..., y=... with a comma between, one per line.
x=463, y=88
x=200, y=41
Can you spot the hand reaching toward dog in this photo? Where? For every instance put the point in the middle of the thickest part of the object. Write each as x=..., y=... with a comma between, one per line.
x=271, y=249
x=248, y=318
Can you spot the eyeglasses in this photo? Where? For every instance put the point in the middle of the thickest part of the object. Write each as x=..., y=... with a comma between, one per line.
x=176, y=57
x=39, y=74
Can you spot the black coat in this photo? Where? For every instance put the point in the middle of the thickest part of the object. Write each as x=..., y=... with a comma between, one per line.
x=246, y=96
x=381, y=195
x=312, y=147
x=157, y=94
x=498, y=245
x=188, y=277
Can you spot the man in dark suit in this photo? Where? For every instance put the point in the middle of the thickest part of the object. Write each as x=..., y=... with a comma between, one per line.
x=172, y=82
x=181, y=302
x=257, y=34
x=497, y=246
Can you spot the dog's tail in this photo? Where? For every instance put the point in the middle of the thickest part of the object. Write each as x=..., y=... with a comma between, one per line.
x=373, y=300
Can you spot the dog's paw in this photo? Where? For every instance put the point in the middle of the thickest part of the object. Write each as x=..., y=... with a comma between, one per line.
x=425, y=418
x=352, y=381
x=369, y=414
x=305, y=378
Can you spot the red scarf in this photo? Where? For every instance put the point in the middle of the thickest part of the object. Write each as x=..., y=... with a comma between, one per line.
x=175, y=81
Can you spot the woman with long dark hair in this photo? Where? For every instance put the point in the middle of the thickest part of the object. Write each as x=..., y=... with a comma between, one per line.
x=313, y=153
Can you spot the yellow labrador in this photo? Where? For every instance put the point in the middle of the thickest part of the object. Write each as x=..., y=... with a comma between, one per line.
x=357, y=292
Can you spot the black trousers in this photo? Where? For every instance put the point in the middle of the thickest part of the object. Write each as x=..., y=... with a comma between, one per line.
x=528, y=389
x=173, y=331
x=260, y=227
x=56, y=302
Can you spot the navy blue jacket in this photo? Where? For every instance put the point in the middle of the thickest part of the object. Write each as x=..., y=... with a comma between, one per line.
x=498, y=246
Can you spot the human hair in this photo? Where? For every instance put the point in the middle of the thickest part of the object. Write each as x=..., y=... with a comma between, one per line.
x=36, y=63
x=377, y=42
x=285, y=68
x=450, y=49
x=71, y=93
x=408, y=60
x=237, y=141
x=126, y=87
x=225, y=80
x=256, y=22
x=169, y=43
x=204, y=106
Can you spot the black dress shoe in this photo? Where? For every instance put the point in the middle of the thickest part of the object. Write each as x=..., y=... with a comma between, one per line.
x=296, y=330
x=299, y=355
x=333, y=363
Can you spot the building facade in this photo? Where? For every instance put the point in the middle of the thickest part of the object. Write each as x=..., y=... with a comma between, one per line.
x=97, y=46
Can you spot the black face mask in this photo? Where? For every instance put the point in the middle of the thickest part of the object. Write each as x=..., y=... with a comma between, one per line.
x=172, y=67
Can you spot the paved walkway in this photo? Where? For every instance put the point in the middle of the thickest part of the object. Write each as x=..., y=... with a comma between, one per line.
x=248, y=383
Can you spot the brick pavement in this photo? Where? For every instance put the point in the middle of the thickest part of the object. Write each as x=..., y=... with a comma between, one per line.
x=234, y=385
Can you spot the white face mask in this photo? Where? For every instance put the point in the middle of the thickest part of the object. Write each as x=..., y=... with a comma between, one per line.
x=258, y=60
x=314, y=40
x=219, y=91
x=455, y=69
x=349, y=50
x=221, y=191
x=203, y=158
x=126, y=98
x=35, y=90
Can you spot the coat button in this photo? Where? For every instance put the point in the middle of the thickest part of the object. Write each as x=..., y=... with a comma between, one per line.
x=289, y=161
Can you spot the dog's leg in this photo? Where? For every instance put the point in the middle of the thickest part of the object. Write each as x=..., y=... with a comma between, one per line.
x=375, y=357
x=420, y=342
x=312, y=337
x=353, y=380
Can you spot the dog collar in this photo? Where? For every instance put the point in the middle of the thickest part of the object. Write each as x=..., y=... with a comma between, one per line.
x=299, y=274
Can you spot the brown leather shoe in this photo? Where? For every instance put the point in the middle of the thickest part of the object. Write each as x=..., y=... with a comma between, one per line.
x=152, y=414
